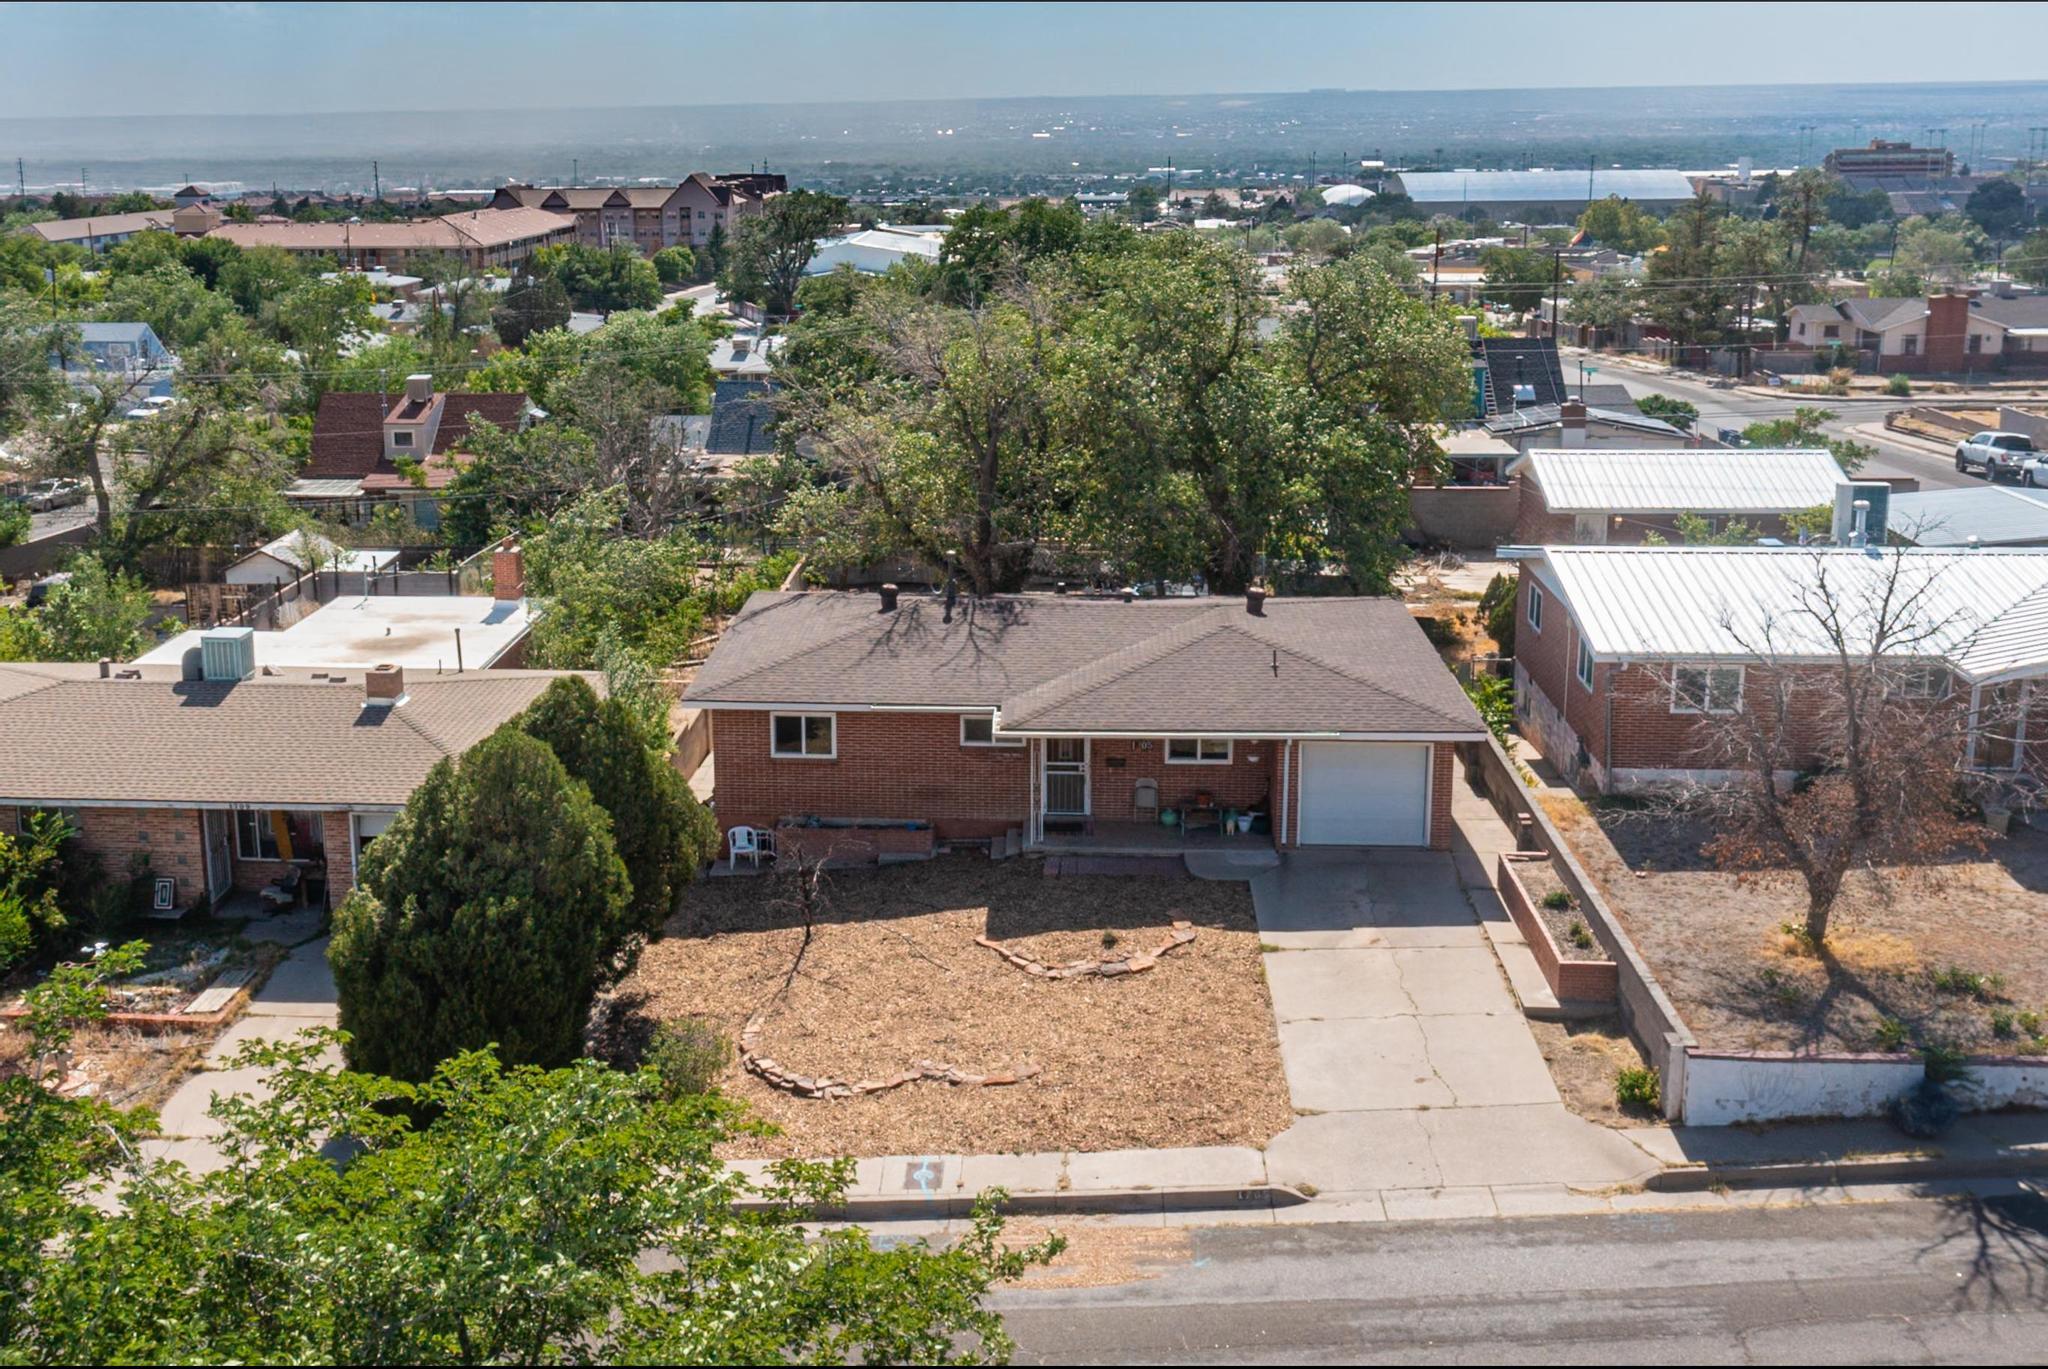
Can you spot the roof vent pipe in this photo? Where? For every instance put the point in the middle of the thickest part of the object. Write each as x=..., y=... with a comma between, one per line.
x=889, y=593
x=1255, y=602
x=106, y=666
x=1973, y=542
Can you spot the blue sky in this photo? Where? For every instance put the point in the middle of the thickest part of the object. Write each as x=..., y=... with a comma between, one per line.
x=64, y=59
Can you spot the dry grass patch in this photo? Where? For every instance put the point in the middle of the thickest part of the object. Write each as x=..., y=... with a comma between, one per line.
x=1184, y=1054
x=1584, y=1058
x=1955, y=954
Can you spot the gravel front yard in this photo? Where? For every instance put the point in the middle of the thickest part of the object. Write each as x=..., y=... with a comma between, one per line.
x=1183, y=1054
x=1957, y=957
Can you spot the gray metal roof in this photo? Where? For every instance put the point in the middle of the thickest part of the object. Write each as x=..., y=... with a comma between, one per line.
x=1996, y=515
x=1683, y=479
x=1542, y=187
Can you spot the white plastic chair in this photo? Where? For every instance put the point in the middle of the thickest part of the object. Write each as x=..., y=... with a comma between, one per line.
x=750, y=842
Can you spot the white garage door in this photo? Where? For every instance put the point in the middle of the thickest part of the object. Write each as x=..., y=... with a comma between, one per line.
x=1364, y=794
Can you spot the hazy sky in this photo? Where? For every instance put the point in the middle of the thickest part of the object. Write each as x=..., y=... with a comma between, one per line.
x=184, y=58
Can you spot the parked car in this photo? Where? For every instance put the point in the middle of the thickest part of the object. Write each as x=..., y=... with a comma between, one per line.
x=1995, y=453
x=54, y=494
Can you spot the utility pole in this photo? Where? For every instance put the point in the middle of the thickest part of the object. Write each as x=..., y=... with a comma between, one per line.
x=377, y=182
x=1436, y=264
x=575, y=171
x=20, y=179
x=1556, y=288
x=1589, y=180
x=81, y=182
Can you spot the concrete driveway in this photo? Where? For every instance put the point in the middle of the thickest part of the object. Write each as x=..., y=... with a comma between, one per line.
x=1404, y=1049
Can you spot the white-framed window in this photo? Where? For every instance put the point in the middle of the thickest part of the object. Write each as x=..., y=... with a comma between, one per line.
x=979, y=729
x=401, y=439
x=803, y=736
x=1585, y=664
x=1922, y=681
x=1706, y=689
x=1198, y=750
x=255, y=835
x=1536, y=607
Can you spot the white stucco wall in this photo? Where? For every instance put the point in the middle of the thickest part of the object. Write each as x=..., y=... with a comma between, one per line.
x=1720, y=1090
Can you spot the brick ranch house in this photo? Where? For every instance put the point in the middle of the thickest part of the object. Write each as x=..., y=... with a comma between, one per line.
x=1595, y=496
x=226, y=781
x=1622, y=652
x=1049, y=720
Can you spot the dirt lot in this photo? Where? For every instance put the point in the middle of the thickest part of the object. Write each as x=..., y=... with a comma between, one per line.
x=1584, y=1057
x=1958, y=956
x=1184, y=1054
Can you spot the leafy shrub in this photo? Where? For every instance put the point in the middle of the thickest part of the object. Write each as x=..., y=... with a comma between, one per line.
x=2002, y=1025
x=1899, y=386
x=1580, y=935
x=1495, y=700
x=1557, y=900
x=690, y=1056
x=1891, y=1034
x=1637, y=1089
x=1963, y=983
x=1497, y=610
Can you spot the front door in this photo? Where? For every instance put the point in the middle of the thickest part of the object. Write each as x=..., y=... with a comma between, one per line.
x=1066, y=777
x=219, y=873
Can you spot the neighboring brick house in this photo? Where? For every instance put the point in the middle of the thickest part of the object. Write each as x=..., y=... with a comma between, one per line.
x=359, y=441
x=1595, y=496
x=1620, y=652
x=225, y=781
x=1056, y=717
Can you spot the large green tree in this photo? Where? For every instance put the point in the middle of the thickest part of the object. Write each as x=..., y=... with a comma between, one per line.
x=512, y=1223
x=489, y=912
x=765, y=257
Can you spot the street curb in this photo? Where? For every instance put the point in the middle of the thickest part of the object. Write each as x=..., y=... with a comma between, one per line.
x=1107, y=1202
x=1807, y=1174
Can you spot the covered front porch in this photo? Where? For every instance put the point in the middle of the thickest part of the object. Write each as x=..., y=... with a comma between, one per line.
x=1152, y=795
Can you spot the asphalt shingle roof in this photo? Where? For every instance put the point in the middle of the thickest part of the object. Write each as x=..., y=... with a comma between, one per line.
x=297, y=737
x=1066, y=664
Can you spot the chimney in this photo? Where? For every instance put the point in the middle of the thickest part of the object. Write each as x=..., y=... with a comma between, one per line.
x=383, y=686
x=1255, y=602
x=419, y=389
x=889, y=593
x=1571, y=417
x=508, y=574
x=106, y=666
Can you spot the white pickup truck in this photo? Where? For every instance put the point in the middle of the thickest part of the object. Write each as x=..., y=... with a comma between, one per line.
x=1996, y=453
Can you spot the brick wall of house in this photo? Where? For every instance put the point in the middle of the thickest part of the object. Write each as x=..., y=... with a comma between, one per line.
x=889, y=765
x=1549, y=660
x=1115, y=765
x=170, y=836
x=1535, y=524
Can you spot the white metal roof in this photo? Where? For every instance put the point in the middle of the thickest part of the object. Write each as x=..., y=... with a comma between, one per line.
x=1684, y=479
x=1544, y=187
x=1985, y=612
x=1996, y=515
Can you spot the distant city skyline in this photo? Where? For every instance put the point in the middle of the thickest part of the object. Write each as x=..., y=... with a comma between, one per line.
x=79, y=60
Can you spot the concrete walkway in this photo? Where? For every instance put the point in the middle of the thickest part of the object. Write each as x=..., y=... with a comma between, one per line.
x=1421, y=1089
x=299, y=994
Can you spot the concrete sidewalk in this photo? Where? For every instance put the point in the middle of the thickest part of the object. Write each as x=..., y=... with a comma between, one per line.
x=299, y=994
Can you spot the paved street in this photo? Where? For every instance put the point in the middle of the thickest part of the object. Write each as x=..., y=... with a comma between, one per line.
x=1958, y=1279
x=1859, y=419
